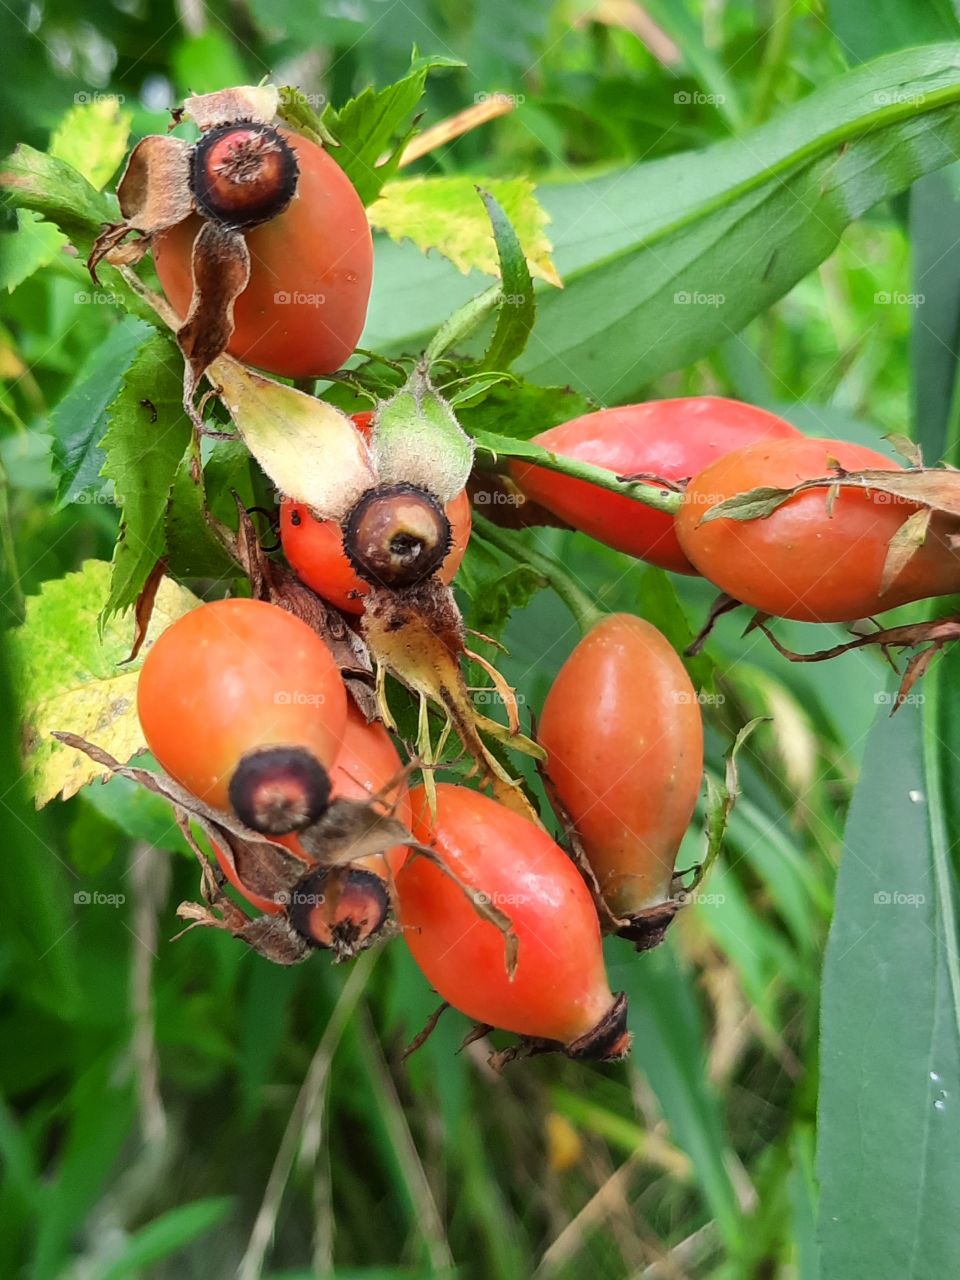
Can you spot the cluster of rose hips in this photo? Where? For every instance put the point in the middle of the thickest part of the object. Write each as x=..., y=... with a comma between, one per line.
x=245, y=706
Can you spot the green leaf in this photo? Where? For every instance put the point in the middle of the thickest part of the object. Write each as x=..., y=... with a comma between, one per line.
x=145, y=441
x=668, y=1047
x=71, y=677
x=520, y=409
x=92, y=138
x=80, y=419
x=56, y=190
x=890, y=1056
x=868, y=28
x=494, y=585
x=666, y=259
x=934, y=210
x=207, y=62
x=33, y=245
x=193, y=550
x=518, y=308
x=444, y=214
x=167, y=1234
x=376, y=124
x=137, y=812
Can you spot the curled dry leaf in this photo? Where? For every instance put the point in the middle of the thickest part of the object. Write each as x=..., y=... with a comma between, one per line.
x=936, y=634
x=221, y=272
x=937, y=488
x=156, y=193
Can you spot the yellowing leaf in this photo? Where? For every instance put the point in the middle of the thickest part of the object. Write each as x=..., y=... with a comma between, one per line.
x=448, y=215
x=92, y=137
x=71, y=679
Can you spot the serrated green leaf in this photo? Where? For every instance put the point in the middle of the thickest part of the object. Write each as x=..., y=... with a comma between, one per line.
x=193, y=550
x=92, y=137
x=33, y=245
x=144, y=443
x=53, y=188
x=137, y=812
x=445, y=214
x=376, y=124
x=522, y=410
x=80, y=419
x=493, y=586
x=71, y=678
x=517, y=306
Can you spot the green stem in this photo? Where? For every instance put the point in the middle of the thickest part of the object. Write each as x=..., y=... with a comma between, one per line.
x=554, y=575
x=8, y=548
x=771, y=64
x=646, y=492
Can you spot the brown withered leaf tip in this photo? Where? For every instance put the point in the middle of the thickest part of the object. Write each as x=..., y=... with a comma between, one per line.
x=935, y=634
x=156, y=193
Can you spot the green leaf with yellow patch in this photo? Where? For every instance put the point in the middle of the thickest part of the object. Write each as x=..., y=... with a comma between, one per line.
x=92, y=137
x=445, y=214
x=73, y=678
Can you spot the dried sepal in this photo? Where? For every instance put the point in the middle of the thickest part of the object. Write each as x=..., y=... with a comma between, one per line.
x=311, y=451
x=256, y=103
x=153, y=194
x=417, y=635
x=936, y=634
x=221, y=272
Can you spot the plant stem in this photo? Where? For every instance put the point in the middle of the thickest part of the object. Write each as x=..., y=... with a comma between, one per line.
x=462, y=323
x=585, y=612
x=9, y=552
x=646, y=492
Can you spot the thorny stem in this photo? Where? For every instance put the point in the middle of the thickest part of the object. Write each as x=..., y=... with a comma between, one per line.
x=586, y=613
x=645, y=492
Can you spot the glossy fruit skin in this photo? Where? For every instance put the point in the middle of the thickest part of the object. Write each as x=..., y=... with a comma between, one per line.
x=560, y=990
x=232, y=676
x=623, y=732
x=366, y=762
x=319, y=247
x=802, y=562
x=670, y=438
x=314, y=548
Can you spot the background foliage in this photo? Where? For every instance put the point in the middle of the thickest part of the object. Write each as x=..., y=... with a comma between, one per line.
x=737, y=208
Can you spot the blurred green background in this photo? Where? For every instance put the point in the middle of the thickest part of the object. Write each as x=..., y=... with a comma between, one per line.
x=170, y=1109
